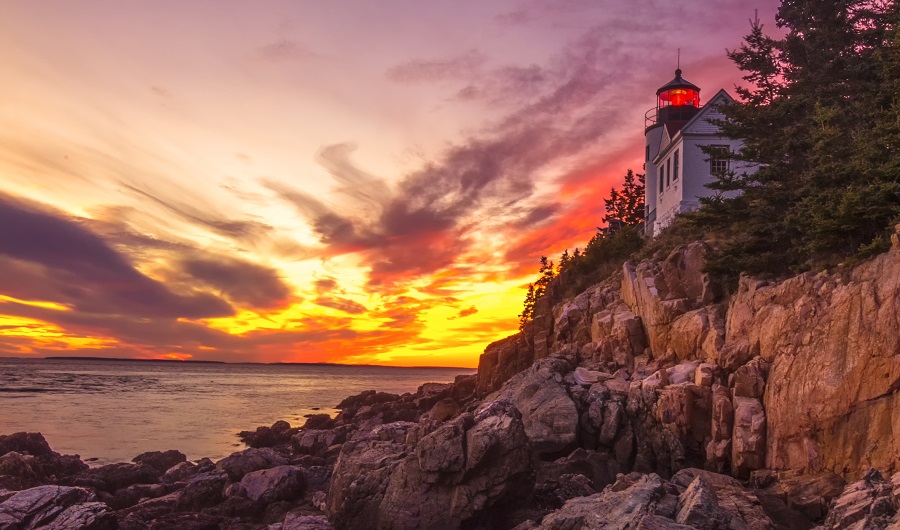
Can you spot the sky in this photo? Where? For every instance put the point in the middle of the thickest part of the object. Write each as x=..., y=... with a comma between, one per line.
x=302, y=181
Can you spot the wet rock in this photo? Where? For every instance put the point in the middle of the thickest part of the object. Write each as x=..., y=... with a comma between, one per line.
x=113, y=477
x=239, y=464
x=160, y=461
x=32, y=443
x=282, y=483
x=36, y=507
x=367, y=399
x=318, y=421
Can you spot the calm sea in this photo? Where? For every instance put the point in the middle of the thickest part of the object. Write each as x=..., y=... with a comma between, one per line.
x=115, y=410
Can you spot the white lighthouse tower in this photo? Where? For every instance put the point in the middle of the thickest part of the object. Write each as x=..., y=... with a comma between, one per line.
x=677, y=169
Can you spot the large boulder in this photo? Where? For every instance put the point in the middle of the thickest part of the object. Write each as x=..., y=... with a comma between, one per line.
x=113, y=477
x=280, y=432
x=318, y=441
x=32, y=443
x=460, y=473
x=242, y=462
x=41, y=506
x=867, y=503
x=84, y=516
x=362, y=472
x=712, y=501
x=453, y=475
x=161, y=461
x=202, y=491
x=549, y=414
x=282, y=483
x=18, y=471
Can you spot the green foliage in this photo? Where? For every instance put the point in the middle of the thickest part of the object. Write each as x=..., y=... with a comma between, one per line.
x=822, y=117
x=603, y=254
x=626, y=206
x=528, y=307
x=547, y=272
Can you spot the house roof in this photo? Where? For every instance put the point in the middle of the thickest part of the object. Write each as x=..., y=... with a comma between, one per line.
x=721, y=96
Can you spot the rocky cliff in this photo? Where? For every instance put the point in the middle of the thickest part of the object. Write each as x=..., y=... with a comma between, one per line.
x=649, y=401
x=797, y=375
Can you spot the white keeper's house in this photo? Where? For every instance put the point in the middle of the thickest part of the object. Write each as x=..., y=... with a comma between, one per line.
x=676, y=168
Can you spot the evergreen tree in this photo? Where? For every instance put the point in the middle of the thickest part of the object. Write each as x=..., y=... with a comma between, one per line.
x=546, y=275
x=820, y=116
x=528, y=310
x=563, y=261
x=626, y=206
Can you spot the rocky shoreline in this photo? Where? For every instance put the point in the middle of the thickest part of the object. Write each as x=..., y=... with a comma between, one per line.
x=650, y=401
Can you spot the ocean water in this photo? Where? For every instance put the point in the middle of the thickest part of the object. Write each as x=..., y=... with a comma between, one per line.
x=112, y=411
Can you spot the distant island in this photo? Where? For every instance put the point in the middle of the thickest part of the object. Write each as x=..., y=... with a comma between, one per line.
x=195, y=361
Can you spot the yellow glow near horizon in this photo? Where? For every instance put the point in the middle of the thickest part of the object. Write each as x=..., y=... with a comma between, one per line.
x=46, y=335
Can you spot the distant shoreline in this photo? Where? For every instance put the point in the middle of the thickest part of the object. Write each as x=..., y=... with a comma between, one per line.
x=125, y=359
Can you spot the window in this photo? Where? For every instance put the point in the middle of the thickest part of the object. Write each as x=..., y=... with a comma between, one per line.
x=668, y=171
x=718, y=159
x=647, y=154
x=675, y=173
x=662, y=176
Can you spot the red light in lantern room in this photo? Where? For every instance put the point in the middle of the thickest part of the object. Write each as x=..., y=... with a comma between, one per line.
x=679, y=97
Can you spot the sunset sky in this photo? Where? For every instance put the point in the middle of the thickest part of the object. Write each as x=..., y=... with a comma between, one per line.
x=351, y=181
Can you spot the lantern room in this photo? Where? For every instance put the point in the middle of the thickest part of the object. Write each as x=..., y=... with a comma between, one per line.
x=677, y=101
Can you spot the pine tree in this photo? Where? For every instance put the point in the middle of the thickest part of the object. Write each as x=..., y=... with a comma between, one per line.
x=546, y=275
x=563, y=261
x=818, y=118
x=626, y=207
x=528, y=308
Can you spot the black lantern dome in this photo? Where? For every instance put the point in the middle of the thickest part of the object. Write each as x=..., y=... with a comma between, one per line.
x=677, y=101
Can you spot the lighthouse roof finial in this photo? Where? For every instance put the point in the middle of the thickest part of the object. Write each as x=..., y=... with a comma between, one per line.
x=678, y=67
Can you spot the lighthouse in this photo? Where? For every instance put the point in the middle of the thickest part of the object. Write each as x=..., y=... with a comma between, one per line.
x=677, y=169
